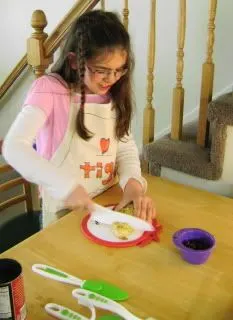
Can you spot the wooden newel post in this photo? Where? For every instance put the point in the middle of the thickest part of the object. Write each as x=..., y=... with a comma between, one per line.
x=37, y=59
x=35, y=44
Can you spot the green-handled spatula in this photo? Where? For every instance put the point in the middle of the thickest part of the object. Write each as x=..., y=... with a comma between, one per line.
x=64, y=313
x=99, y=286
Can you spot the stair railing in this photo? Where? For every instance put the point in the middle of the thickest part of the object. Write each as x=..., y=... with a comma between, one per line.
x=50, y=44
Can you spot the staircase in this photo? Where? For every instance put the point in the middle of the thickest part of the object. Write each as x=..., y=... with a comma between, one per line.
x=183, y=153
x=188, y=157
x=200, y=152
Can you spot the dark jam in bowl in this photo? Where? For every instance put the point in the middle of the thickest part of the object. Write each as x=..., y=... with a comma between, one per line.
x=197, y=244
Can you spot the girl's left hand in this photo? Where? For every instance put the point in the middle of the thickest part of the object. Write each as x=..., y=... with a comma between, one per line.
x=143, y=205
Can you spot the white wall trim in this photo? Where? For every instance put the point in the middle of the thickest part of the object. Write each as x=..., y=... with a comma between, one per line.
x=221, y=187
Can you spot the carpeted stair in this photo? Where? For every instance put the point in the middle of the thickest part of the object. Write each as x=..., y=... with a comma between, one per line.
x=185, y=155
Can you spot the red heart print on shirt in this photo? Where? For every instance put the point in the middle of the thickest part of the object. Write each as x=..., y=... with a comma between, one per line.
x=104, y=145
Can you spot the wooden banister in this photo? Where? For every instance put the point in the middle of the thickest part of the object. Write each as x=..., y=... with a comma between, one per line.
x=207, y=79
x=12, y=201
x=149, y=112
x=103, y=5
x=12, y=183
x=1, y=143
x=178, y=91
x=126, y=14
x=10, y=79
x=52, y=42
x=5, y=168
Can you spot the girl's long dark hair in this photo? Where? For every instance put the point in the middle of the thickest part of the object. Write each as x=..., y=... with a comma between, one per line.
x=91, y=35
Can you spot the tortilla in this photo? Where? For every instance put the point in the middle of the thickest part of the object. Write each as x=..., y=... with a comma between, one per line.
x=122, y=230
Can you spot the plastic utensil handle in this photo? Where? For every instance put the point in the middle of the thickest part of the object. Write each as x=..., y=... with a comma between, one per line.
x=84, y=296
x=64, y=313
x=110, y=317
x=56, y=274
x=87, y=298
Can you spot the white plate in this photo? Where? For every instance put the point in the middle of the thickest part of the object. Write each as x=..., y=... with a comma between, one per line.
x=105, y=233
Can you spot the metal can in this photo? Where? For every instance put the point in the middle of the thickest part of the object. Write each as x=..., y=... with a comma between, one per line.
x=12, y=297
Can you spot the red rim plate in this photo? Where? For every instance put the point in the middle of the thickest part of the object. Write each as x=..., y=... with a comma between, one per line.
x=125, y=244
x=106, y=243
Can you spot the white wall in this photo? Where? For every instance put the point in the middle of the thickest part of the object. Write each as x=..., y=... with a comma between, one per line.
x=15, y=18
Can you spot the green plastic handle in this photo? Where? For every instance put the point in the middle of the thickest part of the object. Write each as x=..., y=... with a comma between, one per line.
x=56, y=274
x=105, y=289
x=110, y=317
x=98, y=286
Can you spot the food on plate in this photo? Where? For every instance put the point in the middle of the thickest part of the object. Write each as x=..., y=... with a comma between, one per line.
x=129, y=209
x=122, y=230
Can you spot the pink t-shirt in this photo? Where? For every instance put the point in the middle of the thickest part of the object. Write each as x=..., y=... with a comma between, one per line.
x=51, y=94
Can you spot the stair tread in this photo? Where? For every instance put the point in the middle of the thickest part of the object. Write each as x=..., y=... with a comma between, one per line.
x=185, y=156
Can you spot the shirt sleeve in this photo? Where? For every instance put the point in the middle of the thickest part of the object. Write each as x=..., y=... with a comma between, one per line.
x=128, y=163
x=19, y=153
x=41, y=95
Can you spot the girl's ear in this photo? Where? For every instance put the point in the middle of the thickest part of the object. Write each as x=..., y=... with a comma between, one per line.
x=72, y=60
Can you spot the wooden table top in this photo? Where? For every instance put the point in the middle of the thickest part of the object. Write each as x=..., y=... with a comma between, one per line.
x=159, y=282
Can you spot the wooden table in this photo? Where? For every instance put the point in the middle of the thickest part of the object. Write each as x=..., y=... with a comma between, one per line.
x=159, y=282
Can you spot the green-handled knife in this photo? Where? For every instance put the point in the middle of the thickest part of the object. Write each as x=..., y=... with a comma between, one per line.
x=99, y=286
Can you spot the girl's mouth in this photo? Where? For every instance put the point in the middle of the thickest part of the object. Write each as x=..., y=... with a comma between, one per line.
x=105, y=87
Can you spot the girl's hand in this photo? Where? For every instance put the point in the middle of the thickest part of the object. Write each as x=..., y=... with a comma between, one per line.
x=79, y=199
x=143, y=205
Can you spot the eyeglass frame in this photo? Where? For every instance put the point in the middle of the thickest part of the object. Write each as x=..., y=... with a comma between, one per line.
x=107, y=73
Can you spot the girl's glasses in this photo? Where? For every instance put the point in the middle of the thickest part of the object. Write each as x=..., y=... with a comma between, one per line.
x=105, y=73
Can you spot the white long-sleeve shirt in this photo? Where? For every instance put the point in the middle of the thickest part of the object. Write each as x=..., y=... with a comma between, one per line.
x=19, y=153
x=45, y=118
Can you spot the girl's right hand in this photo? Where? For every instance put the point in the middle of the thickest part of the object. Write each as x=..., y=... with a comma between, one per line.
x=79, y=199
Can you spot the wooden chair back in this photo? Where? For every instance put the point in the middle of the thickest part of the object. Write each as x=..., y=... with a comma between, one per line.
x=7, y=173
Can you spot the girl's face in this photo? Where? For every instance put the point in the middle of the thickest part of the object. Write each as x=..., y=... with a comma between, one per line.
x=104, y=71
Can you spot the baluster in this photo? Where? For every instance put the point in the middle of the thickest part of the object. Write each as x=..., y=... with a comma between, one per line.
x=103, y=5
x=207, y=79
x=178, y=91
x=149, y=111
x=126, y=14
x=35, y=44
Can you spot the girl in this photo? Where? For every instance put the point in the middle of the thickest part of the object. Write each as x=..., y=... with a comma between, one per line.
x=80, y=115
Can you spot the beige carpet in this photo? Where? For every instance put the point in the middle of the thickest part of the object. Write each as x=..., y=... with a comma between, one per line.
x=185, y=155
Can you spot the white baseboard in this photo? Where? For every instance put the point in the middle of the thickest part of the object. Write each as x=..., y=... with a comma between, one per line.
x=192, y=115
x=219, y=187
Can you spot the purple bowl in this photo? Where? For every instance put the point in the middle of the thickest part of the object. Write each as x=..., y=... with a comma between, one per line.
x=195, y=244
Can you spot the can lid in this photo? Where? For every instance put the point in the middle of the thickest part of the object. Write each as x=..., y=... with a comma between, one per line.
x=10, y=269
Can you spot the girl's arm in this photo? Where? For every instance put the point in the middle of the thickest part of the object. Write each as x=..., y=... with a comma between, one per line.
x=19, y=153
x=128, y=163
x=131, y=181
